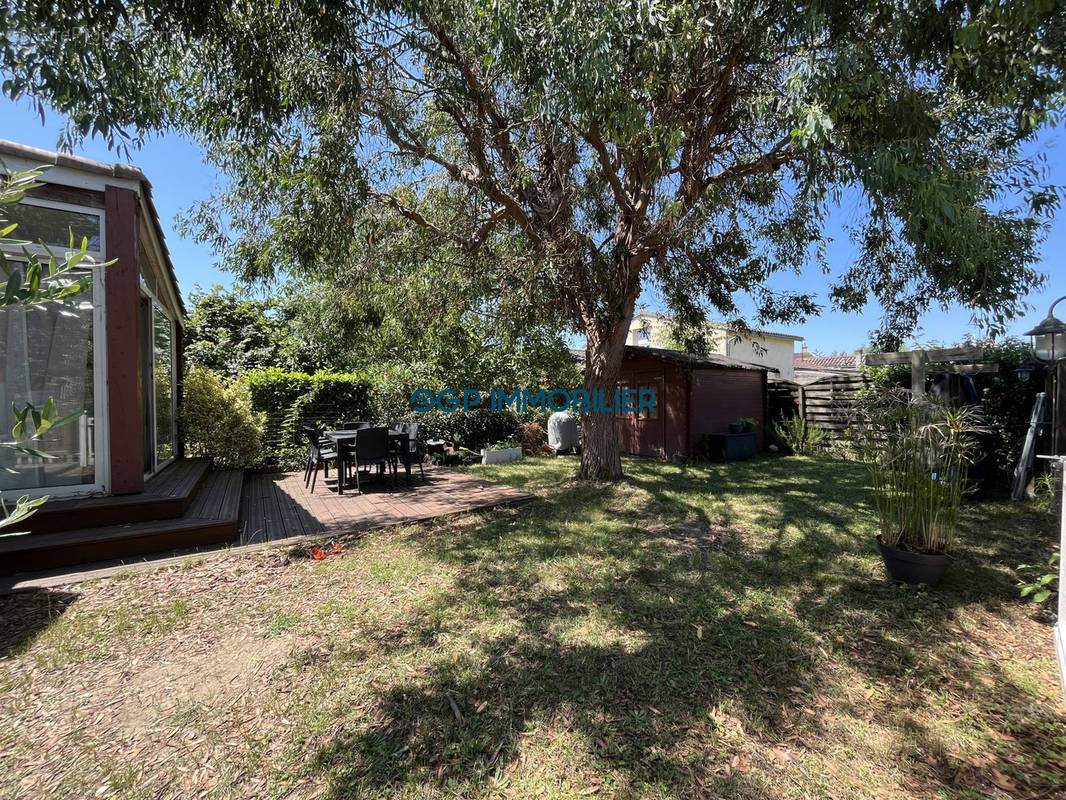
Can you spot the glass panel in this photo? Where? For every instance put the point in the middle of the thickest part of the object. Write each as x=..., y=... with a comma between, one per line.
x=47, y=352
x=164, y=386
x=146, y=353
x=147, y=276
x=53, y=226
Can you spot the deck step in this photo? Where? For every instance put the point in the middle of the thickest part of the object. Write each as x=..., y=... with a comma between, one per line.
x=211, y=517
x=167, y=495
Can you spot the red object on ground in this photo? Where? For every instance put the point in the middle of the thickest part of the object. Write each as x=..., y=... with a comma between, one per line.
x=336, y=550
x=318, y=554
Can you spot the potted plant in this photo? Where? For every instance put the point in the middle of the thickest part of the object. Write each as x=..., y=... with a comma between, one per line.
x=747, y=424
x=918, y=451
x=736, y=427
x=501, y=452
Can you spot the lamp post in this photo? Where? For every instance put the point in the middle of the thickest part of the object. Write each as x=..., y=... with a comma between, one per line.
x=1048, y=339
x=1048, y=344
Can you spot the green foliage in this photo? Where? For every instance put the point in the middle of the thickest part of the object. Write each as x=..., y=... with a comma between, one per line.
x=330, y=400
x=230, y=333
x=1006, y=403
x=23, y=508
x=218, y=421
x=546, y=161
x=275, y=393
x=918, y=451
x=290, y=400
x=1043, y=586
x=795, y=436
x=1046, y=493
x=37, y=282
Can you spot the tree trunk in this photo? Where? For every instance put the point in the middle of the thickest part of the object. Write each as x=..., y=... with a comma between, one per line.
x=604, y=349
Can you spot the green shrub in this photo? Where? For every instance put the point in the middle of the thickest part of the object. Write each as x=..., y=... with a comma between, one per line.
x=218, y=421
x=331, y=400
x=1043, y=585
x=380, y=396
x=290, y=400
x=918, y=451
x=796, y=436
x=1006, y=403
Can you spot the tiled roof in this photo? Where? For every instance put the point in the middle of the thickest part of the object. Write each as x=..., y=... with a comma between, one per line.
x=847, y=361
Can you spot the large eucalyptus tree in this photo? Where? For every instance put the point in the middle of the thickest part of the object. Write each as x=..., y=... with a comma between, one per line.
x=557, y=157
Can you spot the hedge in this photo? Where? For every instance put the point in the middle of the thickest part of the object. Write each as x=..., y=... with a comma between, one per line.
x=290, y=400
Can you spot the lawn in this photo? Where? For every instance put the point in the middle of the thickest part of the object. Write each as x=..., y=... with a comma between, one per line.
x=693, y=631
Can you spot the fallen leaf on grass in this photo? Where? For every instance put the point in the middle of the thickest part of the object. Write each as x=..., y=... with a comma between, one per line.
x=1002, y=781
x=782, y=754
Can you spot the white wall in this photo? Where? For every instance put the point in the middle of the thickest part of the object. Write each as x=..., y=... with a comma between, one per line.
x=772, y=351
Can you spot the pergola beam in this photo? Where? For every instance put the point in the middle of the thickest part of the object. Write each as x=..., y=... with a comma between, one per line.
x=941, y=359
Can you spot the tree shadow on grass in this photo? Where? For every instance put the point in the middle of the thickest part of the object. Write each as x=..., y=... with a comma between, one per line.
x=25, y=615
x=631, y=661
x=625, y=653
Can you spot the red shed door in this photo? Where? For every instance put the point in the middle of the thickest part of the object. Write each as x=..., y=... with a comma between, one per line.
x=649, y=436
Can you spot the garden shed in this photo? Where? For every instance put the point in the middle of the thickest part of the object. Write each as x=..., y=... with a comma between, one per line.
x=694, y=396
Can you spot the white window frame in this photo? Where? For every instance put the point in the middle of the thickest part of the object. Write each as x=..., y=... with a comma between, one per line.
x=60, y=250
x=101, y=428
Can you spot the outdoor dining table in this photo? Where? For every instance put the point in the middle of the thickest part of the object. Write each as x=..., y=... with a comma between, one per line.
x=346, y=439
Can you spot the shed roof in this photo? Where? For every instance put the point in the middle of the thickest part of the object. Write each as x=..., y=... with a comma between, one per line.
x=711, y=361
x=124, y=171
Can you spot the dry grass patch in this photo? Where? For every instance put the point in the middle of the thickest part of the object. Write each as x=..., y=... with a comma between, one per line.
x=719, y=631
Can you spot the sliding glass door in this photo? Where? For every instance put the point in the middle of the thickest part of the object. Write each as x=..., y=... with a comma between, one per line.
x=157, y=385
x=47, y=353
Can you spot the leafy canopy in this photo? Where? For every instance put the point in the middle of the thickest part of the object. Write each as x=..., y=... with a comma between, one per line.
x=584, y=149
x=542, y=162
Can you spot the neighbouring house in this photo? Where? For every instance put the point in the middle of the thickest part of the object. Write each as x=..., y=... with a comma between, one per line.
x=841, y=364
x=695, y=396
x=117, y=357
x=766, y=348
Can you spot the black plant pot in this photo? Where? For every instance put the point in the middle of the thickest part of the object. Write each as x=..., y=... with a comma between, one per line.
x=736, y=427
x=911, y=567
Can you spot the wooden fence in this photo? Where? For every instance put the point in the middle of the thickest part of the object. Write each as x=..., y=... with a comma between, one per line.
x=826, y=404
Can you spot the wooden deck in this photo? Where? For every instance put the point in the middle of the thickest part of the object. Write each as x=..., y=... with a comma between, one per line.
x=211, y=518
x=167, y=495
x=277, y=506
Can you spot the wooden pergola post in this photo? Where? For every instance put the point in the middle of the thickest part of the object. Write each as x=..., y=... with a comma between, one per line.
x=943, y=359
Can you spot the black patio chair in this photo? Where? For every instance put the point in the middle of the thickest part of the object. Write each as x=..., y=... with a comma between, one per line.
x=318, y=455
x=413, y=447
x=354, y=426
x=371, y=449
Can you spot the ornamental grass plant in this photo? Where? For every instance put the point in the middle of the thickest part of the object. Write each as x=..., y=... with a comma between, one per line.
x=918, y=451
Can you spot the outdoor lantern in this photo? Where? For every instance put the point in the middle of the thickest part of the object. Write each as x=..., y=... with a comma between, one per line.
x=1049, y=337
x=1024, y=370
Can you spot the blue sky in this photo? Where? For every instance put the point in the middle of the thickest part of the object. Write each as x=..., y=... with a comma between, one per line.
x=180, y=178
